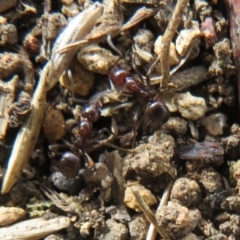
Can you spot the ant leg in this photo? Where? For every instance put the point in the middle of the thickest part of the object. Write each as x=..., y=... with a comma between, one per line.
x=135, y=126
x=55, y=150
x=68, y=144
x=76, y=100
x=110, y=137
x=88, y=160
x=150, y=70
x=119, y=148
x=70, y=77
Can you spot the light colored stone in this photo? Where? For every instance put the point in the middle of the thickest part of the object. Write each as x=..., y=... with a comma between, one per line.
x=9, y=215
x=173, y=55
x=130, y=200
x=186, y=37
x=189, y=106
x=215, y=123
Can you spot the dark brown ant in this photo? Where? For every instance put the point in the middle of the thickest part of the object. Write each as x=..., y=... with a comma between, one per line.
x=70, y=162
x=157, y=110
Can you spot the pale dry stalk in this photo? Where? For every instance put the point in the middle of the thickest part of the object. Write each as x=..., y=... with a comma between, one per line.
x=167, y=39
x=33, y=229
x=28, y=134
x=152, y=231
x=147, y=211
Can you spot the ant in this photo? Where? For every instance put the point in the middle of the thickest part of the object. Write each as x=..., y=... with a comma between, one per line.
x=157, y=110
x=70, y=161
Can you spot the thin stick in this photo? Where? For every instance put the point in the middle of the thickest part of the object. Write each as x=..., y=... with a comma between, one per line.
x=152, y=231
x=28, y=134
x=167, y=39
x=158, y=79
x=147, y=211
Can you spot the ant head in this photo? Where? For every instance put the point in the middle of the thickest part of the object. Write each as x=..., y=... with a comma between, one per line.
x=118, y=76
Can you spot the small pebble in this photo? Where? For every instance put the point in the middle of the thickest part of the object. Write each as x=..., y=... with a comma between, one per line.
x=9, y=215
x=215, y=123
x=189, y=106
x=130, y=200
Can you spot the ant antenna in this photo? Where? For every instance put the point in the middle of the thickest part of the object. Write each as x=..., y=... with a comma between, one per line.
x=150, y=70
x=76, y=100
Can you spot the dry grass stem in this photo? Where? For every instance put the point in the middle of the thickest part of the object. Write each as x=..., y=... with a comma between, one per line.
x=152, y=231
x=147, y=211
x=33, y=229
x=167, y=39
x=29, y=131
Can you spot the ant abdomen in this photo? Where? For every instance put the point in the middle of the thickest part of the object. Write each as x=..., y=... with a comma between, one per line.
x=69, y=164
x=158, y=112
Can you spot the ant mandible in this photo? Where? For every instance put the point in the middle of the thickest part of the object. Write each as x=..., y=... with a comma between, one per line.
x=70, y=162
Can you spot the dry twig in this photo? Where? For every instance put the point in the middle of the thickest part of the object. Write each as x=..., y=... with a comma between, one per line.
x=147, y=211
x=167, y=39
x=29, y=132
x=152, y=231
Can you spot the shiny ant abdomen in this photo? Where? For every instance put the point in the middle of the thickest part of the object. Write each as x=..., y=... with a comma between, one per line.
x=157, y=111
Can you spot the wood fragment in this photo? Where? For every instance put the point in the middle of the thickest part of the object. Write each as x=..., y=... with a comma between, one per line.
x=233, y=11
